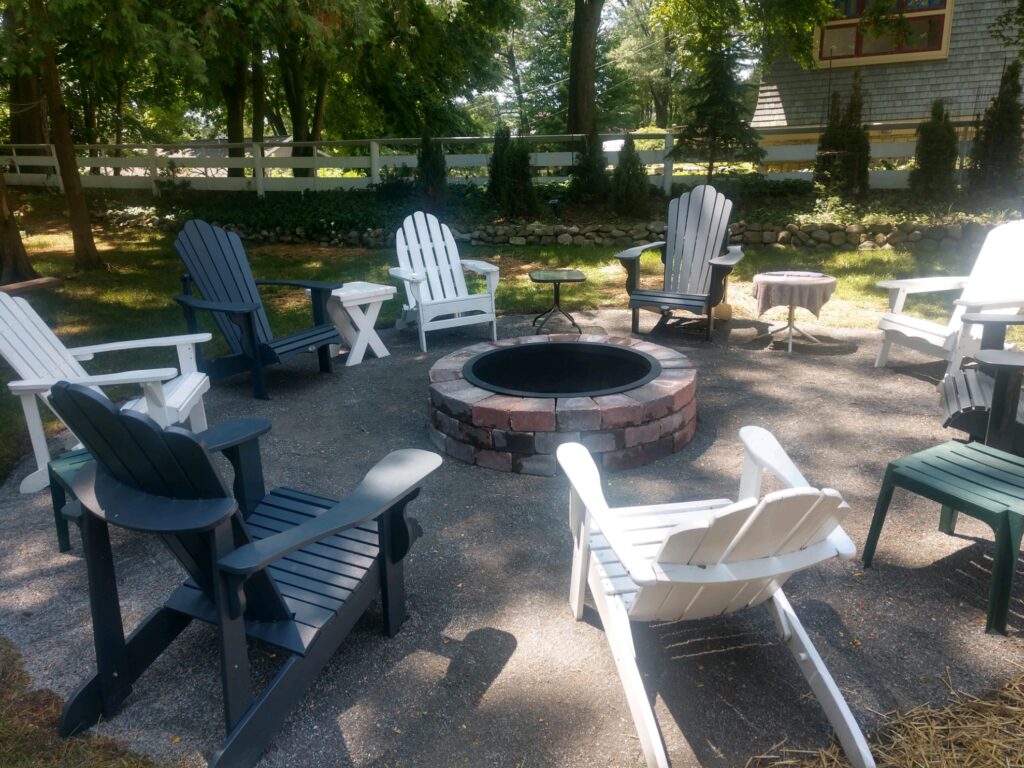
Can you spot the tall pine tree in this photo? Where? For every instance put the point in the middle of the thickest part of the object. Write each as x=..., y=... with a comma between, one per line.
x=716, y=129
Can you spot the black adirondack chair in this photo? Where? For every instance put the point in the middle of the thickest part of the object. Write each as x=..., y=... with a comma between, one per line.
x=984, y=399
x=296, y=572
x=695, y=267
x=216, y=264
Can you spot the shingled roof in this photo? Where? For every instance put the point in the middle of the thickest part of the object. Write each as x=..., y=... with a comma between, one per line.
x=966, y=81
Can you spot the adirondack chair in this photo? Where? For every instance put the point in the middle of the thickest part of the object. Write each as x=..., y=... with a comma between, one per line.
x=217, y=265
x=39, y=359
x=295, y=573
x=435, y=286
x=692, y=560
x=995, y=285
x=984, y=398
x=695, y=268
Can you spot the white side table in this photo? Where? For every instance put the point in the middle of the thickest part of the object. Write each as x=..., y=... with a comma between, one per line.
x=353, y=309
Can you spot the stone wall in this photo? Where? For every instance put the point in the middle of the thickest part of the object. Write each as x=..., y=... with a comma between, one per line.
x=865, y=237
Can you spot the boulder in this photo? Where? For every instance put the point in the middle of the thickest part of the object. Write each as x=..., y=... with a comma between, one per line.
x=564, y=239
x=837, y=238
x=820, y=235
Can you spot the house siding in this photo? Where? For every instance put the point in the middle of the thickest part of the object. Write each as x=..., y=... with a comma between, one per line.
x=791, y=96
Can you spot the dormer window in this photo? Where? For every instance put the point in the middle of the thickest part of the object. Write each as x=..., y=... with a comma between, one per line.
x=924, y=34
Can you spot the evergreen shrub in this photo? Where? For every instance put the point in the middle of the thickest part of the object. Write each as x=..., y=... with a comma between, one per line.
x=496, y=166
x=995, y=156
x=518, y=196
x=935, y=156
x=589, y=177
x=844, y=149
x=630, y=186
x=432, y=174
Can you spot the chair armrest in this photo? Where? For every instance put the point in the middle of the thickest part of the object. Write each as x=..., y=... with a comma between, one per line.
x=407, y=275
x=732, y=257
x=982, y=319
x=924, y=284
x=311, y=285
x=636, y=251
x=228, y=434
x=480, y=267
x=1003, y=303
x=391, y=480
x=103, y=380
x=763, y=452
x=216, y=306
x=579, y=467
x=140, y=511
x=87, y=352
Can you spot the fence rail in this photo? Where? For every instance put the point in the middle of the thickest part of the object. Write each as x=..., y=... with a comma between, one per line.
x=271, y=166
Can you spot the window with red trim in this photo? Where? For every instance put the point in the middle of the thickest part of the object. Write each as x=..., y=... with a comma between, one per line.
x=923, y=30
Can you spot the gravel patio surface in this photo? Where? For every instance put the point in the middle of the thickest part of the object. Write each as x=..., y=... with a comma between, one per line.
x=490, y=669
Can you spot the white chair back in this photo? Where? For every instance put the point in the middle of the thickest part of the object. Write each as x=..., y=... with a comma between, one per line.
x=997, y=273
x=30, y=347
x=426, y=246
x=781, y=523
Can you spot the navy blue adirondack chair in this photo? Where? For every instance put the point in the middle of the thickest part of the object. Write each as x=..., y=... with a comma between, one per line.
x=290, y=569
x=217, y=265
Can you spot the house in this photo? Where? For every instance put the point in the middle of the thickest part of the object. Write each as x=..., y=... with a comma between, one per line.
x=949, y=53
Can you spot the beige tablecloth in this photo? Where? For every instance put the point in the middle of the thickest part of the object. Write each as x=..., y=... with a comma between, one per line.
x=809, y=290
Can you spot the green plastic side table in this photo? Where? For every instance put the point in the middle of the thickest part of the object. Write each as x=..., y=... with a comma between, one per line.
x=981, y=482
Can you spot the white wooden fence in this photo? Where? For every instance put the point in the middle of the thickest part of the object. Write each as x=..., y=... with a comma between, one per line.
x=354, y=164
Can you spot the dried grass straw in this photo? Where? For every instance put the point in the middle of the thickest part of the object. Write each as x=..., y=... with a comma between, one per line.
x=971, y=732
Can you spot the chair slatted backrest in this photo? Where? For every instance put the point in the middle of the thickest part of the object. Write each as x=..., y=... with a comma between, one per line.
x=216, y=262
x=998, y=272
x=426, y=246
x=171, y=462
x=698, y=222
x=781, y=523
x=30, y=347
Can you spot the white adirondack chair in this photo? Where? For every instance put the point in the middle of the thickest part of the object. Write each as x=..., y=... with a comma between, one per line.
x=435, y=287
x=40, y=360
x=692, y=560
x=995, y=285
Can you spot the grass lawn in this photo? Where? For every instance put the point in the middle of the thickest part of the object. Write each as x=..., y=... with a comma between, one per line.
x=134, y=299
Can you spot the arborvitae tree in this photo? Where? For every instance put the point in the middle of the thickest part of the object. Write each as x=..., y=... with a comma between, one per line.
x=432, y=174
x=995, y=157
x=935, y=156
x=630, y=187
x=716, y=129
x=827, y=173
x=589, y=179
x=518, y=195
x=496, y=166
x=844, y=149
x=857, y=154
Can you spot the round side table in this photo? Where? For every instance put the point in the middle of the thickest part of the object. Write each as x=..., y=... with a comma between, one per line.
x=809, y=290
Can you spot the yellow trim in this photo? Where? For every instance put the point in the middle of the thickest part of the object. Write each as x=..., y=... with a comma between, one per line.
x=888, y=58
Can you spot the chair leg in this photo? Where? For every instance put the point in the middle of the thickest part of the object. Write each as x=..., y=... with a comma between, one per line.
x=494, y=329
x=40, y=451
x=881, y=508
x=259, y=380
x=883, y=353
x=323, y=354
x=947, y=520
x=423, y=337
x=635, y=326
x=197, y=418
x=825, y=689
x=620, y=638
x=1004, y=568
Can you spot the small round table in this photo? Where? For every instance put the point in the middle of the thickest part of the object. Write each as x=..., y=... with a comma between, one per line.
x=809, y=290
x=557, y=277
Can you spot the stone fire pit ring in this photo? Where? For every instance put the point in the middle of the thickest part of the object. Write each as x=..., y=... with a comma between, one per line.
x=521, y=434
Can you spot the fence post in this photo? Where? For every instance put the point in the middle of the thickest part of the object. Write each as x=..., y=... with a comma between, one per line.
x=257, y=167
x=374, y=162
x=56, y=167
x=666, y=172
x=153, y=170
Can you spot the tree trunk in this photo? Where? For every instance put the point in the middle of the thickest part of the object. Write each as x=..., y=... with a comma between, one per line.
x=119, y=123
x=234, y=101
x=14, y=263
x=89, y=109
x=294, y=84
x=86, y=255
x=25, y=105
x=517, y=85
x=582, y=63
x=259, y=92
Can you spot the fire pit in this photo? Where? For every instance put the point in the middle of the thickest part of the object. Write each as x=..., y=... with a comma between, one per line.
x=508, y=405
